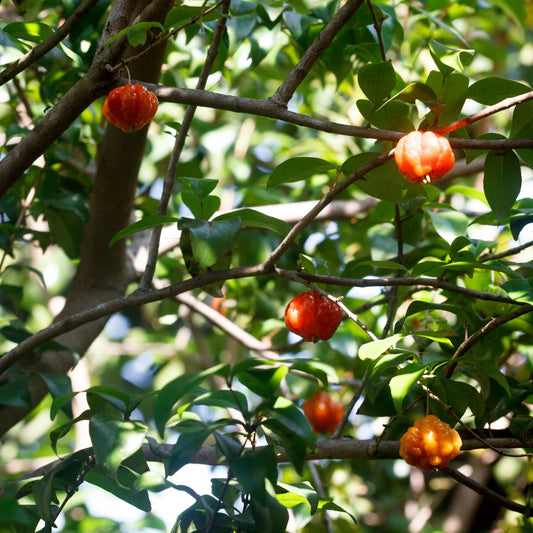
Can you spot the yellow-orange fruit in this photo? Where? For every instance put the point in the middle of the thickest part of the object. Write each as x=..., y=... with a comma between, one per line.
x=430, y=444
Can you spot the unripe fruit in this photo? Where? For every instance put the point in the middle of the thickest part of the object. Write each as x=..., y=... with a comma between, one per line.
x=430, y=444
x=424, y=156
x=323, y=414
x=313, y=316
x=129, y=107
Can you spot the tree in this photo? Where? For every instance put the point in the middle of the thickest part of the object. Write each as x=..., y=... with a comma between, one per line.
x=267, y=171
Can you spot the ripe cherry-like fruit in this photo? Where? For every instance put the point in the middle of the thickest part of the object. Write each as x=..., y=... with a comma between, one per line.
x=423, y=156
x=313, y=316
x=323, y=413
x=430, y=444
x=131, y=106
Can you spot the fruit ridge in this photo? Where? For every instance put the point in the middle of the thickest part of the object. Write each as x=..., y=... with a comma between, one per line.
x=323, y=413
x=424, y=156
x=313, y=316
x=129, y=107
x=430, y=444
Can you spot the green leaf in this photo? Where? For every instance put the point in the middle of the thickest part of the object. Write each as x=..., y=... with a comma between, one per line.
x=201, y=187
x=377, y=80
x=372, y=350
x=490, y=91
x=181, y=14
x=202, y=208
x=434, y=336
x=458, y=395
x=186, y=448
x=264, y=382
x=136, y=33
x=61, y=431
x=416, y=91
x=122, y=484
x=228, y=399
x=255, y=219
x=16, y=393
x=252, y=468
x=520, y=290
x=147, y=222
x=439, y=22
x=34, y=32
x=449, y=59
x=228, y=447
x=502, y=182
x=299, y=493
x=297, y=169
x=115, y=440
x=522, y=124
x=205, y=242
x=290, y=425
x=419, y=306
x=174, y=391
x=12, y=515
x=401, y=383
x=271, y=515
x=449, y=224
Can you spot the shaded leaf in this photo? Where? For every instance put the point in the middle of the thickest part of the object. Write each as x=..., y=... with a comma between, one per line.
x=205, y=242
x=502, y=182
x=115, y=440
x=377, y=80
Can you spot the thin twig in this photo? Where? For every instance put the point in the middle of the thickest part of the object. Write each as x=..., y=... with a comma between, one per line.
x=134, y=299
x=393, y=298
x=349, y=408
x=165, y=37
x=486, y=492
x=487, y=112
x=311, y=55
x=287, y=242
x=321, y=491
x=168, y=183
x=377, y=25
x=506, y=253
x=491, y=325
x=481, y=439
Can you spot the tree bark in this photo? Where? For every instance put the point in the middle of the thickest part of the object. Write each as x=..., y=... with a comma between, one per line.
x=101, y=274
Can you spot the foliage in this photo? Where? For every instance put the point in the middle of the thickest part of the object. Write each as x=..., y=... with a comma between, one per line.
x=268, y=170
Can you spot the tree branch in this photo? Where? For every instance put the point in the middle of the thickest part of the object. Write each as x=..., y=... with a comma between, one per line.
x=321, y=42
x=488, y=111
x=94, y=84
x=323, y=202
x=266, y=108
x=486, y=492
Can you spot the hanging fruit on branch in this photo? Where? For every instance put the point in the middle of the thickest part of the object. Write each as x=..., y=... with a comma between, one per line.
x=130, y=107
x=423, y=156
